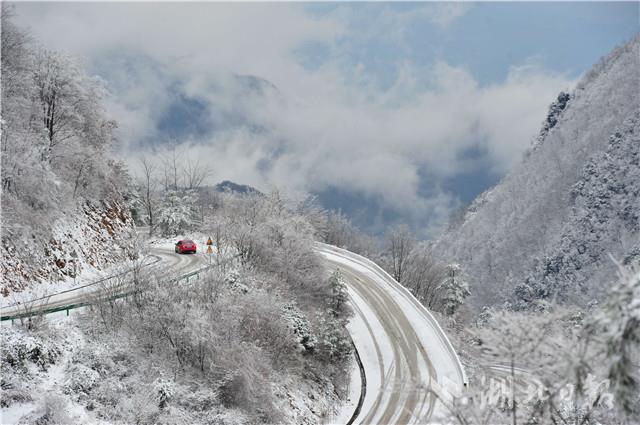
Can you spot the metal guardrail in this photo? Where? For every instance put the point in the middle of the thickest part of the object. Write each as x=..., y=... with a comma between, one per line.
x=156, y=259
x=67, y=307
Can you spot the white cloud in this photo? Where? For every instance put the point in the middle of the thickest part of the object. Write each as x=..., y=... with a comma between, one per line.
x=324, y=128
x=444, y=14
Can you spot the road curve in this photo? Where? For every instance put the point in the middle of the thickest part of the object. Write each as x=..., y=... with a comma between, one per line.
x=173, y=263
x=411, y=368
x=178, y=263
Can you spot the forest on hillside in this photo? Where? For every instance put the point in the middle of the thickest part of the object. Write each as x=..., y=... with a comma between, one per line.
x=63, y=194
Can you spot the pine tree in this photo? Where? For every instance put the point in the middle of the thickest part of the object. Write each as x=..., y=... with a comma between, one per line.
x=454, y=289
x=339, y=293
x=300, y=327
x=333, y=339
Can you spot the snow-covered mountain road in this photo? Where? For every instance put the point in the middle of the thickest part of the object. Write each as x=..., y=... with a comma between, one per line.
x=411, y=368
x=161, y=256
x=178, y=263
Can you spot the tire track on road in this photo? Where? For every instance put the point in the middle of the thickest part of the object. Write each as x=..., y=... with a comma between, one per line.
x=408, y=394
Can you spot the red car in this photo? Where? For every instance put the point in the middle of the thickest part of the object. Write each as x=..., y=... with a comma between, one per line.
x=185, y=247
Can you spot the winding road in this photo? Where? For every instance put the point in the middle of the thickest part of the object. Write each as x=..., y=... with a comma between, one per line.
x=161, y=256
x=411, y=369
x=178, y=263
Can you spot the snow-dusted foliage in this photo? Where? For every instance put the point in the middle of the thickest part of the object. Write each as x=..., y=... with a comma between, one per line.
x=454, y=289
x=399, y=243
x=619, y=322
x=423, y=276
x=549, y=226
x=333, y=340
x=555, y=111
x=21, y=348
x=164, y=390
x=562, y=365
x=259, y=340
x=605, y=207
x=338, y=230
x=55, y=164
x=25, y=355
x=82, y=379
x=300, y=327
x=176, y=213
x=339, y=293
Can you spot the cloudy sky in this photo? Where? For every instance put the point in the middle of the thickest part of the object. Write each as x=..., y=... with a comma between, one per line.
x=389, y=111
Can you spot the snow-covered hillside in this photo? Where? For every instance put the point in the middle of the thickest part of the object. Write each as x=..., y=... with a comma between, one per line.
x=91, y=238
x=550, y=226
x=63, y=195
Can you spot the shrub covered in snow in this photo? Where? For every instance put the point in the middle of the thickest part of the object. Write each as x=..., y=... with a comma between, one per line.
x=81, y=379
x=21, y=348
x=52, y=410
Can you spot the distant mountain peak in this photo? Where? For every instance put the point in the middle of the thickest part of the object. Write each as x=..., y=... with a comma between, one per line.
x=229, y=186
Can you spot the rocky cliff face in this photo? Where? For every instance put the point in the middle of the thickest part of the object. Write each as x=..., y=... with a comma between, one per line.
x=551, y=227
x=96, y=236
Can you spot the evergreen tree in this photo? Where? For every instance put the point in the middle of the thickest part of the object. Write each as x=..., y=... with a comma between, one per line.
x=334, y=343
x=339, y=293
x=300, y=327
x=454, y=289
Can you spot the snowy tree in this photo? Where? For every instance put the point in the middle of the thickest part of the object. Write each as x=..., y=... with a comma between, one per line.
x=195, y=174
x=399, y=243
x=171, y=162
x=454, y=289
x=176, y=212
x=338, y=229
x=55, y=157
x=619, y=321
x=339, y=293
x=333, y=340
x=424, y=273
x=300, y=326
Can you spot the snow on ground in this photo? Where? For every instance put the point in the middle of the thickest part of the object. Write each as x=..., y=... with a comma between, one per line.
x=359, y=336
x=88, y=276
x=441, y=353
x=45, y=381
x=47, y=292
x=376, y=347
x=44, y=289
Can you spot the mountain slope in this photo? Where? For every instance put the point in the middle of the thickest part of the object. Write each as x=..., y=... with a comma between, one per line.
x=547, y=228
x=63, y=195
